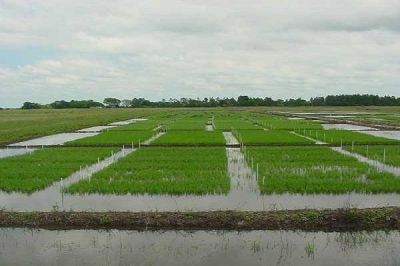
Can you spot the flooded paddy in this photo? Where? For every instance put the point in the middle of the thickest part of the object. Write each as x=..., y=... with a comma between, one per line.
x=8, y=152
x=347, y=127
x=91, y=247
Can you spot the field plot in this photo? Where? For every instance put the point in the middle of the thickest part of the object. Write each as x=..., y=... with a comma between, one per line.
x=269, y=137
x=345, y=136
x=316, y=170
x=282, y=123
x=37, y=170
x=193, y=137
x=114, y=138
x=162, y=171
x=17, y=125
x=145, y=125
x=229, y=121
x=385, y=154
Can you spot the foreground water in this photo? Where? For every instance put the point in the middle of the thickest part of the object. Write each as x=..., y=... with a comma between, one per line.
x=91, y=247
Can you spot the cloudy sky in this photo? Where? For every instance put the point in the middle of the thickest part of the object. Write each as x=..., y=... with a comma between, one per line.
x=91, y=49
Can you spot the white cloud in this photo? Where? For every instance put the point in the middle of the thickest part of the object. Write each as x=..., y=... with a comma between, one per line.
x=162, y=49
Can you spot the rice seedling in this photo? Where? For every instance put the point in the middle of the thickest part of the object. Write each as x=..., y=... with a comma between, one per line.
x=385, y=154
x=114, y=138
x=316, y=170
x=340, y=137
x=271, y=137
x=37, y=170
x=162, y=171
x=195, y=137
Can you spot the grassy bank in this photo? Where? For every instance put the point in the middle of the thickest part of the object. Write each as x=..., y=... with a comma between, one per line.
x=308, y=220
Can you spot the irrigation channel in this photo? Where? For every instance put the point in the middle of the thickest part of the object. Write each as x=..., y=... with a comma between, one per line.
x=92, y=247
x=243, y=196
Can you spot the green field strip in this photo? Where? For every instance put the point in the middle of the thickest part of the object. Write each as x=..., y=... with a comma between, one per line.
x=282, y=123
x=162, y=171
x=309, y=170
x=338, y=137
x=114, y=138
x=194, y=137
x=37, y=170
x=269, y=137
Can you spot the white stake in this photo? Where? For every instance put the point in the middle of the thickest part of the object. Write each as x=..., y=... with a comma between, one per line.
x=384, y=155
x=257, y=172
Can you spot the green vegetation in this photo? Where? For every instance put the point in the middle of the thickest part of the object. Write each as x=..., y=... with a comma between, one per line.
x=37, y=170
x=386, y=154
x=345, y=137
x=114, y=138
x=316, y=170
x=162, y=171
x=17, y=125
x=194, y=137
x=270, y=137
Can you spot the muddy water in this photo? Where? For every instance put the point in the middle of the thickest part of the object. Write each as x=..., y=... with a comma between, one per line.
x=244, y=195
x=346, y=127
x=91, y=247
x=57, y=139
x=8, y=152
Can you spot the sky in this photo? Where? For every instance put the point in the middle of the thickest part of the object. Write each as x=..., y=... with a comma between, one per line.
x=69, y=49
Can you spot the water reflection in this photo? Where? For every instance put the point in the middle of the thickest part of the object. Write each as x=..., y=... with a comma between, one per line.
x=91, y=247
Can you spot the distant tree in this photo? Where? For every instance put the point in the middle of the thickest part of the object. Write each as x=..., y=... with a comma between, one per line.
x=29, y=105
x=112, y=102
x=243, y=100
x=126, y=103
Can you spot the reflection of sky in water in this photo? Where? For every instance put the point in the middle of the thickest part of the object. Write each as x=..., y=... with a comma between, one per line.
x=91, y=247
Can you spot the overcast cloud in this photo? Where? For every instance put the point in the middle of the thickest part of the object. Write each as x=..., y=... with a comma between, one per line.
x=59, y=49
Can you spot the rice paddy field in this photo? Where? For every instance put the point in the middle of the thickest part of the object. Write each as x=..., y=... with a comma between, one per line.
x=185, y=152
x=40, y=168
x=316, y=170
x=211, y=169
x=162, y=171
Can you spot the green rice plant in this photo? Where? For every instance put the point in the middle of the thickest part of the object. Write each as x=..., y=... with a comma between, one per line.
x=385, y=154
x=316, y=169
x=339, y=137
x=270, y=137
x=194, y=137
x=114, y=138
x=37, y=170
x=188, y=124
x=162, y=171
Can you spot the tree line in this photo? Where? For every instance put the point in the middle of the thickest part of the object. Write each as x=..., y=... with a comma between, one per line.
x=331, y=100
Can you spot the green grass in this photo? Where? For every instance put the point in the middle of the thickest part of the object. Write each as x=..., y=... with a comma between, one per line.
x=188, y=124
x=317, y=170
x=114, y=138
x=195, y=137
x=18, y=125
x=271, y=137
x=345, y=136
x=234, y=122
x=37, y=170
x=386, y=154
x=162, y=171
